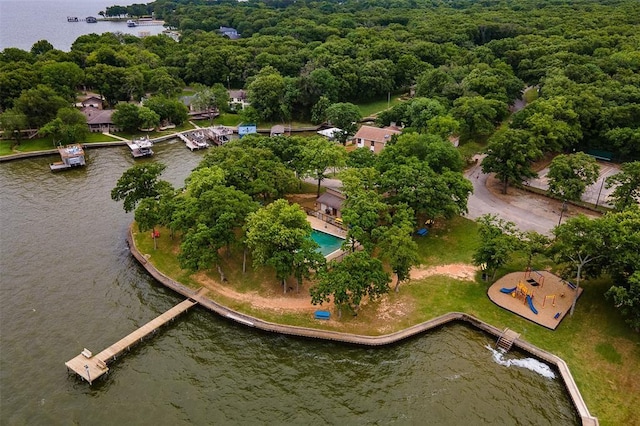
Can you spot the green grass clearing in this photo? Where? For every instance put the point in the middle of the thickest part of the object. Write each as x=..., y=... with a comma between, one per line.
x=374, y=107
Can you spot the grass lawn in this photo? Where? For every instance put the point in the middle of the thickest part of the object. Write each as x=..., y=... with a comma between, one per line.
x=531, y=95
x=40, y=144
x=370, y=108
x=224, y=119
x=601, y=351
x=156, y=133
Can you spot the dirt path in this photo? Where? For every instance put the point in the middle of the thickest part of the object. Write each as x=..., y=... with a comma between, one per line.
x=301, y=302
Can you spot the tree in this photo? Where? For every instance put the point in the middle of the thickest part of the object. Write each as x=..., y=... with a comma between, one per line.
x=429, y=194
x=64, y=77
x=356, y=276
x=169, y=110
x=211, y=100
x=40, y=105
x=438, y=153
x=422, y=110
x=127, y=117
x=397, y=245
x=69, y=126
x=204, y=179
x=569, y=175
x=13, y=122
x=255, y=171
x=360, y=158
x=478, y=116
x=319, y=155
x=40, y=47
x=163, y=83
x=364, y=212
x=148, y=118
x=344, y=116
x=627, y=299
x=147, y=215
x=137, y=183
x=443, y=126
x=266, y=93
x=552, y=123
x=209, y=218
x=278, y=236
x=534, y=243
x=509, y=155
x=579, y=241
x=498, y=239
x=319, y=110
x=627, y=186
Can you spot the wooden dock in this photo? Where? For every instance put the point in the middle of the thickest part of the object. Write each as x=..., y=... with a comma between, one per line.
x=90, y=367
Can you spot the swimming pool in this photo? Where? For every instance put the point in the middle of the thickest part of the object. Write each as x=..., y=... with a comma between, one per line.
x=328, y=243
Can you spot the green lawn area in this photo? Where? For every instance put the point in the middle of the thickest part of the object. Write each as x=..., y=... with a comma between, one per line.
x=224, y=119
x=370, y=108
x=600, y=349
x=157, y=133
x=531, y=95
x=40, y=144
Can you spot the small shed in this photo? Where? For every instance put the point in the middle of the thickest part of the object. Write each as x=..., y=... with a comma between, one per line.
x=277, y=130
x=330, y=133
x=331, y=202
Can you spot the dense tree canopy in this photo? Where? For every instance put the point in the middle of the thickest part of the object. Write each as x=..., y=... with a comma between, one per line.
x=297, y=57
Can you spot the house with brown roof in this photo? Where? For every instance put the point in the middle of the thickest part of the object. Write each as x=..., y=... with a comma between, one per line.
x=374, y=138
x=99, y=120
x=92, y=101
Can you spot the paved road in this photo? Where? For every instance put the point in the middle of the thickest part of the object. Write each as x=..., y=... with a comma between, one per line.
x=529, y=212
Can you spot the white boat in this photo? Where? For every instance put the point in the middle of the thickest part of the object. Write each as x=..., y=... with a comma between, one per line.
x=141, y=147
x=131, y=23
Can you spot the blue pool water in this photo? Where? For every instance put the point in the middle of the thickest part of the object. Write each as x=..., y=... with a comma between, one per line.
x=328, y=243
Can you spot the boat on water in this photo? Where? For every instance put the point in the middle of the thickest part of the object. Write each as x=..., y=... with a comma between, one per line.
x=72, y=19
x=141, y=147
x=131, y=23
x=91, y=19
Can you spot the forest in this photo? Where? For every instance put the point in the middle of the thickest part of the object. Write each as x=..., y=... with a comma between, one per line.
x=472, y=58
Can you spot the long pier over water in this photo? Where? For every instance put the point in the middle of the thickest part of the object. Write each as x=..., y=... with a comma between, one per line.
x=90, y=367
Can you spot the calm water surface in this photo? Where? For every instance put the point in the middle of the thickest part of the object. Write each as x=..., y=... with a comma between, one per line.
x=24, y=22
x=68, y=282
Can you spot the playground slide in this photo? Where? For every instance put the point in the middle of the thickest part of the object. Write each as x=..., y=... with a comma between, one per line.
x=530, y=302
x=507, y=290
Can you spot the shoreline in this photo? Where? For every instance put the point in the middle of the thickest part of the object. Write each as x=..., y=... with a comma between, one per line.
x=86, y=145
x=363, y=340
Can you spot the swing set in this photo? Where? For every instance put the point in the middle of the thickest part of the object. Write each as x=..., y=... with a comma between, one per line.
x=534, y=278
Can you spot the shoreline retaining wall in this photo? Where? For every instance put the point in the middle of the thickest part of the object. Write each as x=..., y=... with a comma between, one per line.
x=586, y=418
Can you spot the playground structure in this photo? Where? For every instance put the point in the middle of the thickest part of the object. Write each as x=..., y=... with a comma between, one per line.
x=522, y=292
x=549, y=296
x=538, y=296
x=533, y=277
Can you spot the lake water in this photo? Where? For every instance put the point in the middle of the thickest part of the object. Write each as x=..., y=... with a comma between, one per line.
x=69, y=282
x=24, y=22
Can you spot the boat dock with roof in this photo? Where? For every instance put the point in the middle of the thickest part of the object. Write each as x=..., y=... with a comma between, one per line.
x=141, y=147
x=71, y=155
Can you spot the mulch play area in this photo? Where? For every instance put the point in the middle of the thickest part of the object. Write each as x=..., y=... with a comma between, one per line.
x=525, y=293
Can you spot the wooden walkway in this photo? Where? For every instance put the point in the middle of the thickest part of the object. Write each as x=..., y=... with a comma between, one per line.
x=90, y=367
